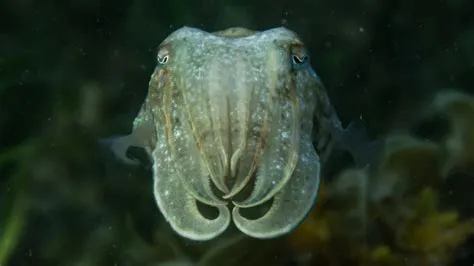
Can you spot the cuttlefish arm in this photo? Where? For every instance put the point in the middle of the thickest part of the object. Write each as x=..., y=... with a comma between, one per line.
x=292, y=203
x=178, y=206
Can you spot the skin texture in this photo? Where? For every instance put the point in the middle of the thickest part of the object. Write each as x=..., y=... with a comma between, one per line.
x=228, y=122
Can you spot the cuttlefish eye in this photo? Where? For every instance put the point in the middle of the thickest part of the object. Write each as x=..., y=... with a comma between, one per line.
x=299, y=57
x=163, y=56
x=162, y=59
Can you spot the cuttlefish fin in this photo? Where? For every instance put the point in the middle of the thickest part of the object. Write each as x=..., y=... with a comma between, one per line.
x=141, y=136
x=355, y=140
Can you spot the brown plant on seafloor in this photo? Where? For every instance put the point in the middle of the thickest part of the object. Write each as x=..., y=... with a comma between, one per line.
x=393, y=214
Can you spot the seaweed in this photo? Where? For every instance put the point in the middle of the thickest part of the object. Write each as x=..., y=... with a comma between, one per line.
x=392, y=214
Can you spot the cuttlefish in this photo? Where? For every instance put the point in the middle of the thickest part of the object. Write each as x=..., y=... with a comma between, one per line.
x=232, y=120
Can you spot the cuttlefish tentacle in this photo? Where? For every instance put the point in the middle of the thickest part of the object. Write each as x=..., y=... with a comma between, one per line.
x=217, y=98
x=179, y=143
x=280, y=158
x=291, y=204
x=254, y=123
x=199, y=122
x=245, y=100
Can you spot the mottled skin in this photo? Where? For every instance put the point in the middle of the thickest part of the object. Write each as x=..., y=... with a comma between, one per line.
x=230, y=111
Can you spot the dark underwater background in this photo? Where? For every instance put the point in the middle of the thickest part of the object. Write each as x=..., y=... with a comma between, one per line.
x=73, y=72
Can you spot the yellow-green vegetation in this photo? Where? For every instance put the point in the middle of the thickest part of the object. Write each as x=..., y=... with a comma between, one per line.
x=394, y=214
x=16, y=213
